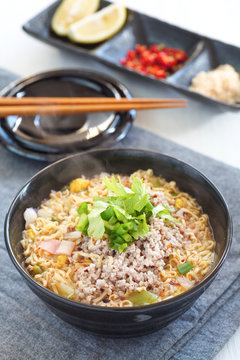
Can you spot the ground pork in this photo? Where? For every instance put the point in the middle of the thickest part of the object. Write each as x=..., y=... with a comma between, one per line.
x=138, y=267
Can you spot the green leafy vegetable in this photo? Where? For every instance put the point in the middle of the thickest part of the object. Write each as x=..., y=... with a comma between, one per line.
x=163, y=212
x=143, y=297
x=115, y=187
x=122, y=215
x=96, y=227
x=185, y=267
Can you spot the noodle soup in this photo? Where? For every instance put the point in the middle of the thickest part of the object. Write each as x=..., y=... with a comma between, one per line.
x=118, y=241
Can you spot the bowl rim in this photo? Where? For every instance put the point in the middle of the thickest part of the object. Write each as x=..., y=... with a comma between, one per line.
x=136, y=309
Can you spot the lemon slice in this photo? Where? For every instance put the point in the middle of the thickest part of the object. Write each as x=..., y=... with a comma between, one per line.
x=70, y=11
x=99, y=26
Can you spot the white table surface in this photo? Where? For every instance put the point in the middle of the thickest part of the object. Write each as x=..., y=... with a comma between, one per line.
x=210, y=130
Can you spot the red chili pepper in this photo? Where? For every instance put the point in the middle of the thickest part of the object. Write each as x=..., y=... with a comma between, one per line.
x=148, y=58
x=166, y=60
x=140, y=48
x=131, y=64
x=160, y=74
x=157, y=60
x=180, y=55
x=173, y=283
x=131, y=54
x=154, y=48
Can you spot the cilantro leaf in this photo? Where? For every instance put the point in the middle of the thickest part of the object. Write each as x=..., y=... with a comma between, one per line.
x=163, y=212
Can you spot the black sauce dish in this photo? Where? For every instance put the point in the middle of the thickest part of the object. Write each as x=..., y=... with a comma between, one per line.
x=119, y=322
x=52, y=137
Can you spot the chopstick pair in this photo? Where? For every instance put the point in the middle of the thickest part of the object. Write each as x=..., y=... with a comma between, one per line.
x=30, y=106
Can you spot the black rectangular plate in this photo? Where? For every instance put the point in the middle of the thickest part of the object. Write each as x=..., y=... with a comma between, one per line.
x=204, y=53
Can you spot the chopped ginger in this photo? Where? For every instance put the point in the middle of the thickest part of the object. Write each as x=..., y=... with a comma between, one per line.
x=79, y=184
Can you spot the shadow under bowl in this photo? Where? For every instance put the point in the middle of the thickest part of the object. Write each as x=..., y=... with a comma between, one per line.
x=119, y=322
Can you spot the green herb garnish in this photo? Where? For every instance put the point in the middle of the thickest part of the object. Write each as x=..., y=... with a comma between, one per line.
x=122, y=215
x=185, y=267
x=143, y=297
x=163, y=212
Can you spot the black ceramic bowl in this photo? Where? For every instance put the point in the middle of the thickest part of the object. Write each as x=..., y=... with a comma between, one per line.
x=119, y=321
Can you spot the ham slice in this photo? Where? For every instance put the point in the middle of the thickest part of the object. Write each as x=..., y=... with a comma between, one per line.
x=50, y=245
x=57, y=247
x=66, y=248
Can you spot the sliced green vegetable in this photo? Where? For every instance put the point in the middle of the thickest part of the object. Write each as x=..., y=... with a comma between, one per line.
x=122, y=247
x=37, y=270
x=96, y=223
x=108, y=214
x=114, y=186
x=148, y=210
x=142, y=298
x=130, y=226
x=108, y=226
x=83, y=223
x=120, y=230
x=127, y=237
x=185, y=267
x=163, y=212
x=83, y=208
x=113, y=220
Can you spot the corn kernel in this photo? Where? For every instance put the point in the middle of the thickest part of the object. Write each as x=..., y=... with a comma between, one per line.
x=78, y=185
x=179, y=203
x=61, y=260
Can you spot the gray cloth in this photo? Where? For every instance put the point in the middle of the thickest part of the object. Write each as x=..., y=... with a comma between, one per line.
x=29, y=330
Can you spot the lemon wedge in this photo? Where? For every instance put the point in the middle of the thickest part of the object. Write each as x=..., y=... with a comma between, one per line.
x=70, y=11
x=99, y=26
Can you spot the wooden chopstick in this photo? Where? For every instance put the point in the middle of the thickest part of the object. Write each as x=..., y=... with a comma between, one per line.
x=21, y=107
x=82, y=100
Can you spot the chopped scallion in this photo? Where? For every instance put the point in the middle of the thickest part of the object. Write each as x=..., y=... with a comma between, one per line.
x=83, y=208
x=107, y=214
x=36, y=270
x=83, y=223
x=185, y=267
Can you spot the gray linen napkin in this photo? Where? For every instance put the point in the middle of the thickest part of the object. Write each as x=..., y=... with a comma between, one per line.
x=29, y=330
